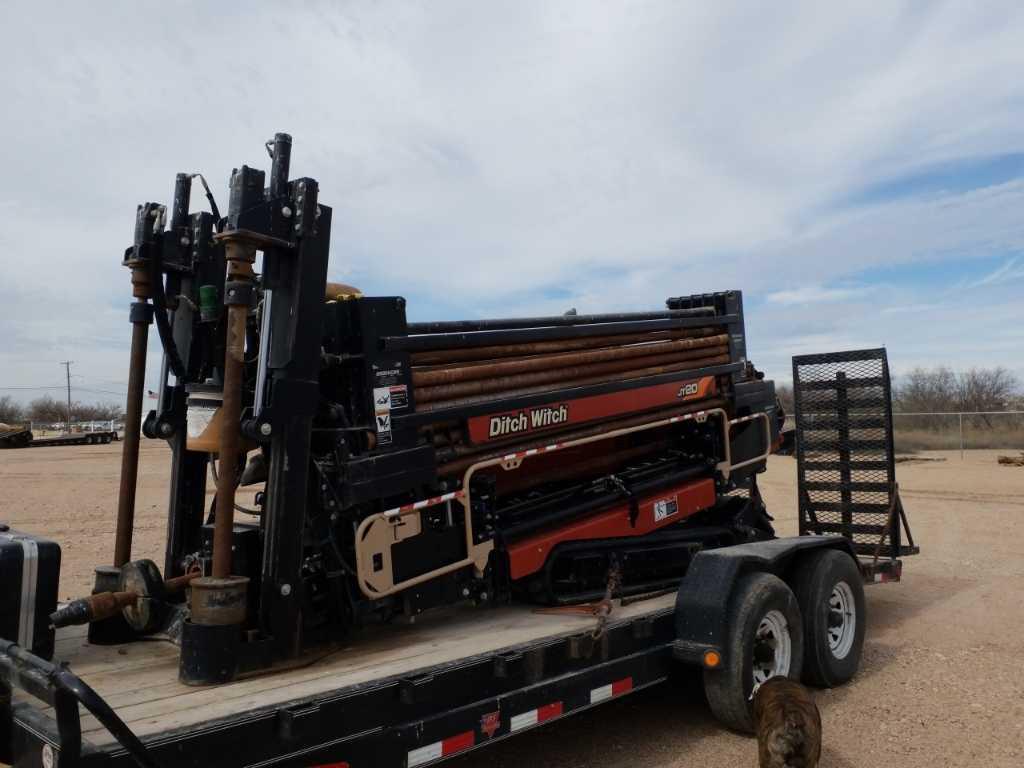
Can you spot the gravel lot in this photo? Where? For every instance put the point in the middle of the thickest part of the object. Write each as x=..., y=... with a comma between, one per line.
x=942, y=680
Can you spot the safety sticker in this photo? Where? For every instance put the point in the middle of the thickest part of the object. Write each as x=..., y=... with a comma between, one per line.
x=399, y=396
x=383, y=428
x=381, y=399
x=665, y=508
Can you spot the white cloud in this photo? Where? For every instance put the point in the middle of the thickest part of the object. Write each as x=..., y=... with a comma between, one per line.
x=484, y=159
x=812, y=294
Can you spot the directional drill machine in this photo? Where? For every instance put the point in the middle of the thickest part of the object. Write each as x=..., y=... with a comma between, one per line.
x=401, y=466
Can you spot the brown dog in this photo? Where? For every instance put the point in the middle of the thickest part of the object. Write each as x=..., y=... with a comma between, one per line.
x=787, y=724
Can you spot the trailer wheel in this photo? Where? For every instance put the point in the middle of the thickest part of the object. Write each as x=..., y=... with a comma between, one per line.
x=830, y=591
x=765, y=640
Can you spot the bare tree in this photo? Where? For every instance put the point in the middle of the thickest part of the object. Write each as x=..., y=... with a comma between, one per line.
x=933, y=390
x=46, y=409
x=940, y=390
x=11, y=412
x=784, y=392
x=987, y=389
x=96, y=412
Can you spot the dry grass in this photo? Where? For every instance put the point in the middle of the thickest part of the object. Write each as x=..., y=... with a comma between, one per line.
x=909, y=440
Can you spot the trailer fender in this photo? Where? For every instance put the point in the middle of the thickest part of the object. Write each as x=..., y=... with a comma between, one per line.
x=702, y=602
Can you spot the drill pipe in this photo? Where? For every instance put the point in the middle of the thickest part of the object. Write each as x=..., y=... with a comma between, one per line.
x=459, y=465
x=96, y=607
x=560, y=375
x=486, y=354
x=695, y=364
x=463, y=326
x=141, y=289
x=239, y=269
x=546, y=362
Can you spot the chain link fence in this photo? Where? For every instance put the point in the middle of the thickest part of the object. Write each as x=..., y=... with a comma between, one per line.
x=959, y=431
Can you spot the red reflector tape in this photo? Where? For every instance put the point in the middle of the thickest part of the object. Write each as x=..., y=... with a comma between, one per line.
x=549, y=711
x=619, y=687
x=535, y=716
x=458, y=743
x=605, y=692
x=439, y=749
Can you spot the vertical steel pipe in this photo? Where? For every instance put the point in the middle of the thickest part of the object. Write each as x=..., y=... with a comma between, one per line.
x=281, y=156
x=240, y=257
x=130, y=445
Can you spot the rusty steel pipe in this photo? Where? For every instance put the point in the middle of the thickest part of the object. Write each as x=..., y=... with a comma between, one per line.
x=509, y=323
x=561, y=375
x=102, y=605
x=490, y=451
x=610, y=342
x=240, y=257
x=178, y=583
x=486, y=354
x=133, y=427
x=541, y=362
x=231, y=413
x=704, y=362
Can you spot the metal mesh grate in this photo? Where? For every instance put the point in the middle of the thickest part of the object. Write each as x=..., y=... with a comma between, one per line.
x=844, y=447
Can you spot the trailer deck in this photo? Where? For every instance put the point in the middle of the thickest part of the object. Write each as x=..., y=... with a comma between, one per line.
x=140, y=680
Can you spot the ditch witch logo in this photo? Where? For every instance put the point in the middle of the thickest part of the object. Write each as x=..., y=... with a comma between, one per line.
x=524, y=421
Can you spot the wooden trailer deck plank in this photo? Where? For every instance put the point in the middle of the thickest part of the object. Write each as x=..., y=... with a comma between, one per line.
x=139, y=680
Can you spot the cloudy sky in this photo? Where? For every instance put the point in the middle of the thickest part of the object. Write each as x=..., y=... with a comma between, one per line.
x=858, y=172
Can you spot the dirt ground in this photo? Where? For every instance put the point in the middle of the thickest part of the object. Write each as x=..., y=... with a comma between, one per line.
x=942, y=679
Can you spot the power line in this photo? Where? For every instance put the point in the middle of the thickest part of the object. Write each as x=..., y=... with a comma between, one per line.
x=57, y=386
x=93, y=390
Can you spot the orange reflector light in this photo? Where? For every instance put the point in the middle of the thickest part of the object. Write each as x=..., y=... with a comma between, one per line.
x=712, y=659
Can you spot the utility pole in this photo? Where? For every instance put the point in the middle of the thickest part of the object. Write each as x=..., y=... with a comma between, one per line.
x=67, y=369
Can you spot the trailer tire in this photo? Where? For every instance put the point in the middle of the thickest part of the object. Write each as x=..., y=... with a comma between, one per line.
x=761, y=606
x=830, y=591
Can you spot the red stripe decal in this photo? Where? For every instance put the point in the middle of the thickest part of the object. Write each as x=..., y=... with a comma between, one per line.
x=549, y=711
x=625, y=685
x=454, y=744
x=538, y=418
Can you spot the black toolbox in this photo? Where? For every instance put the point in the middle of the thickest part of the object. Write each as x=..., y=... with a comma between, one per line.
x=29, y=573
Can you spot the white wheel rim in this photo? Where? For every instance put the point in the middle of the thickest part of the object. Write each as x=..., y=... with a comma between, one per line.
x=842, y=620
x=773, y=648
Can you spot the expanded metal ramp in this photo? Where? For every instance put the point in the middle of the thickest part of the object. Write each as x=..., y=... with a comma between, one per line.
x=845, y=460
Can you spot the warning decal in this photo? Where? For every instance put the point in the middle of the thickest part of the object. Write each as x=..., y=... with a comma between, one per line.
x=665, y=508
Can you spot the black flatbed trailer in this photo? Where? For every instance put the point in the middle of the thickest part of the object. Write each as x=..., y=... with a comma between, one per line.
x=396, y=696
x=26, y=439
x=459, y=678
